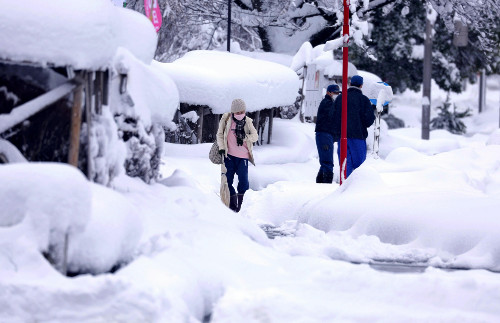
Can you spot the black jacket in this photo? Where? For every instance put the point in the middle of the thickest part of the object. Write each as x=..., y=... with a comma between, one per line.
x=324, y=120
x=360, y=115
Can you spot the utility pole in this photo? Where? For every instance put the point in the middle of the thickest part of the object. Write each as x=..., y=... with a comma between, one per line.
x=482, y=90
x=345, y=71
x=228, y=25
x=426, y=99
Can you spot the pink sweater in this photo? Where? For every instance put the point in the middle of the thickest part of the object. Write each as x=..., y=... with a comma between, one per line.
x=232, y=147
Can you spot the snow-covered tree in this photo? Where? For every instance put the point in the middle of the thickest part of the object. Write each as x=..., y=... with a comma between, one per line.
x=394, y=49
x=202, y=24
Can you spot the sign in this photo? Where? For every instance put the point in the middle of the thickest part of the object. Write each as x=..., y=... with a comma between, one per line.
x=153, y=12
x=314, y=90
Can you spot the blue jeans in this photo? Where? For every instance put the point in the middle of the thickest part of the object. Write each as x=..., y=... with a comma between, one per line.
x=238, y=166
x=324, y=143
x=356, y=154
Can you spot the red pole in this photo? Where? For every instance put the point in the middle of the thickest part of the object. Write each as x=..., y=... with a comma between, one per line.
x=345, y=59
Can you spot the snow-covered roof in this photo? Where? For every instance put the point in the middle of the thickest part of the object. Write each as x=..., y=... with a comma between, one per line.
x=154, y=94
x=82, y=33
x=324, y=61
x=215, y=79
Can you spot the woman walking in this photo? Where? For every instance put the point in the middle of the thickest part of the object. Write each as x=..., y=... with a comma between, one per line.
x=235, y=137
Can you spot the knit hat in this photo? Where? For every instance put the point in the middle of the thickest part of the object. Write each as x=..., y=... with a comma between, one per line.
x=238, y=105
x=333, y=88
x=357, y=80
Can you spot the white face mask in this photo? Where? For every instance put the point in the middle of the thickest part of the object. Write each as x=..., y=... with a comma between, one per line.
x=239, y=116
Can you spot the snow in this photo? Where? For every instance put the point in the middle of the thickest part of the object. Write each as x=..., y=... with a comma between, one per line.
x=494, y=138
x=158, y=103
x=83, y=34
x=23, y=112
x=303, y=57
x=324, y=61
x=285, y=43
x=334, y=44
x=10, y=152
x=282, y=59
x=322, y=56
x=47, y=200
x=379, y=93
x=104, y=244
x=172, y=252
x=216, y=78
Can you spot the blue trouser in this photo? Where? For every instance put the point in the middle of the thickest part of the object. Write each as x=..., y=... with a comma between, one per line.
x=324, y=143
x=238, y=166
x=356, y=154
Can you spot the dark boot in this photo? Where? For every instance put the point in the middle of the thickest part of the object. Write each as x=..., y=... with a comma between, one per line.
x=233, y=203
x=240, y=201
x=319, y=177
x=328, y=178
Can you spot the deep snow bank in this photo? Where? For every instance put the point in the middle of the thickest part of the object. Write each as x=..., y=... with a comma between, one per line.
x=48, y=199
x=43, y=202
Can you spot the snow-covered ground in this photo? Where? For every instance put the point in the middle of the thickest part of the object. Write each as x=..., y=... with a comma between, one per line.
x=181, y=256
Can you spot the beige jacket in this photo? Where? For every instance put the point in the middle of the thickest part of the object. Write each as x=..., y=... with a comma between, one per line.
x=225, y=127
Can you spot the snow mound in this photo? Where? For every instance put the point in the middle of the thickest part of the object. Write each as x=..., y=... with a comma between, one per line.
x=303, y=57
x=83, y=34
x=215, y=79
x=446, y=202
x=494, y=138
x=179, y=178
x=110, y=237
x=51, y=199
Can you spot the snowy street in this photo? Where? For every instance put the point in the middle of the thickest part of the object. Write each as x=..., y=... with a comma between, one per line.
x=198, y=261
x=171, y=161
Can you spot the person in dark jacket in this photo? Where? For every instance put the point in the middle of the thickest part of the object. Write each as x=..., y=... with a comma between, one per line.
x=324, y=135
x=360, y=116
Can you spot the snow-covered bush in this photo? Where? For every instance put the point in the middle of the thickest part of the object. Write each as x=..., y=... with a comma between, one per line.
x=143, y=100
x=184, y=130
x=144, y=147
x=450, y=120
x=290, y=111
x=108, y=152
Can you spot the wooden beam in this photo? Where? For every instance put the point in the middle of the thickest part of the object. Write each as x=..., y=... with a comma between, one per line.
x=98, y=89
x=28, y=109
x=303, y=95
x=76, y=121
x=200, y=123
x=256, y=123
x=216, y=125
x=270, y=130
x=105, y=89
x=89, y=91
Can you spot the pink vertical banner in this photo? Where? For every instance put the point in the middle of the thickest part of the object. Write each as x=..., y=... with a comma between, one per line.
x=153, y=12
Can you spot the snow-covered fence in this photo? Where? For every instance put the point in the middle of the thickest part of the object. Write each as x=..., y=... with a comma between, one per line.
x=108, y=46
